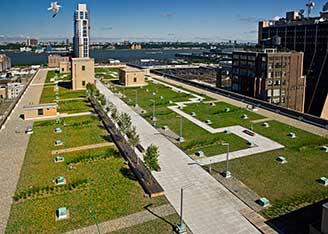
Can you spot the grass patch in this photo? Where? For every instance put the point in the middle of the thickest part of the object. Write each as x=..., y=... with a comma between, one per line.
x=111, y=190
x=289, y=186
x=196, y=138
x=219, y=117
x=107, y=73
x=154, y=226
x=50, y=75
x=74, y=106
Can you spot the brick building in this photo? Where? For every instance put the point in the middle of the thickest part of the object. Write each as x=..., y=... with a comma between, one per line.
x=130, y=76
x=55, y=60
x=309, y=35
x=276, y=77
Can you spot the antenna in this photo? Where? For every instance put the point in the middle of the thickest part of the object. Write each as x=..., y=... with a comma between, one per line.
x=310, y=5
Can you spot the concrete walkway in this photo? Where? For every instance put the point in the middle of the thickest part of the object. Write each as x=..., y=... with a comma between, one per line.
x=261, y=144
x=64, y=115
x=127, y=221
x=268, y=114
x=84, y=147
x=208, y=206
x=14, y=143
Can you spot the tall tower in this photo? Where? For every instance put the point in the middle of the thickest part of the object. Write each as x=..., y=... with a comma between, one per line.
x=81, y=38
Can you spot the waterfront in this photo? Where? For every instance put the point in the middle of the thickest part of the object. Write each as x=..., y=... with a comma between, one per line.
x=19, y=58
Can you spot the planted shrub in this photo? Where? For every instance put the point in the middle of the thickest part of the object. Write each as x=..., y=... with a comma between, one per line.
x=151, y=158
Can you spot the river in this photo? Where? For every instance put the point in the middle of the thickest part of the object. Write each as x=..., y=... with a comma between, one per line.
x=20, y=58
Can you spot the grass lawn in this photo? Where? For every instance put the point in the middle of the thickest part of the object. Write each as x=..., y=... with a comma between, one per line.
x=65, y=92
x=50, y=75
x=65, y=76
x=288, y=186
x=74, y=106
x=218, y=116
x=107, y=73
x=109, y=189
x=85, y=129
x=196, y=138
x=154, y=226
x=61, y=76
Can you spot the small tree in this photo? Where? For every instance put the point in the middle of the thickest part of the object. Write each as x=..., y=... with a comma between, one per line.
x=151, y=158
x=114, y=114
x=125, y=123
x=91, y=89
x=102, y=99
x=133, y=136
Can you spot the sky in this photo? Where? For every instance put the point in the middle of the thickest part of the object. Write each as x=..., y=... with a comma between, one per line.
x=146, y=20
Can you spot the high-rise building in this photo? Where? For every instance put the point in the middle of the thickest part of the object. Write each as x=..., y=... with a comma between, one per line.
x=81, y=38
x=276, y=77
x=309, y=35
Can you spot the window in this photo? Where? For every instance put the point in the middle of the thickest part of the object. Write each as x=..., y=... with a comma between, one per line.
x=83, y=68
x=135, y=80
x=269, y=75
x=40, y=111
x=83, y=82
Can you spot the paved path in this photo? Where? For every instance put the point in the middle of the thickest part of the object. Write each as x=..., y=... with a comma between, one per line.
x=261, y=143
x=127, y=221
x=65, y=115
x=13, y=147
x=266, y=113
x=84, y=147
x=208, y=206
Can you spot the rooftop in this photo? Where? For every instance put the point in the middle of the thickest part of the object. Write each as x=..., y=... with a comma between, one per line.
x=46, y=105
x=131, y=69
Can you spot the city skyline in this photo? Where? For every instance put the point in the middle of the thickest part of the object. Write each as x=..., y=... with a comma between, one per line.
x=204, y=21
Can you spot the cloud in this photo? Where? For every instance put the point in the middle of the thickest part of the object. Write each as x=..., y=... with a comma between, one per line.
x=167, y=15
x=252, y=32
x=106, y=28
x=251, y=19
x=171, y=34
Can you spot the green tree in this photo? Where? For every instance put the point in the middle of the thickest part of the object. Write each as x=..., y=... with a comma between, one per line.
x=151, y=158
x=102, y=99
x=125, y=123
x=133, y=136
x=114, y=114
x=91, y=89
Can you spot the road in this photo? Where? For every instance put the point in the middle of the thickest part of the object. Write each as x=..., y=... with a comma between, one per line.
x=13, y=142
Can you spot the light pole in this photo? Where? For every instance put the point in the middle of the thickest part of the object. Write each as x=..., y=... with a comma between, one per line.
x=154, y=110
x=227, y=173
x=136, y=98
x=180, y=139
x=181, y=227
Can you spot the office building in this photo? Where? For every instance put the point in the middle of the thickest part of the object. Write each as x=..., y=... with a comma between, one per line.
x=276, y=77
x=83, y=72
x=5, y=62
x=14, y=89
x=55, y=60
x=309, y=35
x=132, y=77
x=81, y=38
